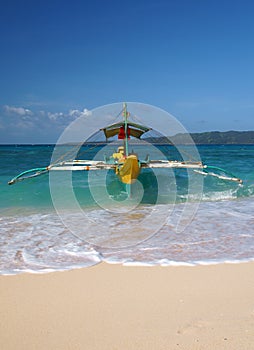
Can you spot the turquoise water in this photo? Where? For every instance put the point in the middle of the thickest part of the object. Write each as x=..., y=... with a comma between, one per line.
x=168, y=220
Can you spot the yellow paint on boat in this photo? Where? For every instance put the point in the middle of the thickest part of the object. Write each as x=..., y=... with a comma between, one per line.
x=129, y=171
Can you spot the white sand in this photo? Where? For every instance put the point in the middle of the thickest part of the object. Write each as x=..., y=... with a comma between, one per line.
x=110, y=307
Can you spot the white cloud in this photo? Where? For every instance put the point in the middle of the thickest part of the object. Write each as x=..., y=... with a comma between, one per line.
x=26, y=123
x=24, y=114
x=76, y=113
x=17, y=110
x=55, y=116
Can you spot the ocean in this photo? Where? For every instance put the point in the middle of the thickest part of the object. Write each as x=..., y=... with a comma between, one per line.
x=173, y=217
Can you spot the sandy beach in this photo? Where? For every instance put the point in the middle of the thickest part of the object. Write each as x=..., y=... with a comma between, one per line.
x=111, y=307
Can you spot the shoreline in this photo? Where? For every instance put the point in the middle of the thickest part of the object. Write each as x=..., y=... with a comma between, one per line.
x=109, y=306
x=130, y=264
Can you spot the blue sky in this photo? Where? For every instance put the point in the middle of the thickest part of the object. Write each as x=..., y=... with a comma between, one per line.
x=58, y=58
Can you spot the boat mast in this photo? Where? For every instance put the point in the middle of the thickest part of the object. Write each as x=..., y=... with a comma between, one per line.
x=125, y=116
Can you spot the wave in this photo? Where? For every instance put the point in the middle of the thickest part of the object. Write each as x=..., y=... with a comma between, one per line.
x=219, y=232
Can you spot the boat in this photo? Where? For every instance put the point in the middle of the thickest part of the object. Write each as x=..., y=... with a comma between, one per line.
x=126, y=164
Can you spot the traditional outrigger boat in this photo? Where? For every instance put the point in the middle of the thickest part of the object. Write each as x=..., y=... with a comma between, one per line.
x=126, y=165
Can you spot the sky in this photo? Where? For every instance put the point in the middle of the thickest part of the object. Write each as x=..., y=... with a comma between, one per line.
x=61, y=59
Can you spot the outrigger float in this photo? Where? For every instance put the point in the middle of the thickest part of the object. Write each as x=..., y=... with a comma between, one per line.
x=126, y=165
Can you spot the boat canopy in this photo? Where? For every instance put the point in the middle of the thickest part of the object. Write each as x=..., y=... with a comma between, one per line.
x=135, y=130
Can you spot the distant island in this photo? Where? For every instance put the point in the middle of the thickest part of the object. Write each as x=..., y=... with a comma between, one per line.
x=218, y=137
x=210, y=138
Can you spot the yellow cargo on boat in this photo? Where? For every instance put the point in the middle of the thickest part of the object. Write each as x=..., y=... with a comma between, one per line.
x=130, y=169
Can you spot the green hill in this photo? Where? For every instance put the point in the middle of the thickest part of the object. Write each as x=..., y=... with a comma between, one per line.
x=217, y=138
